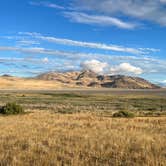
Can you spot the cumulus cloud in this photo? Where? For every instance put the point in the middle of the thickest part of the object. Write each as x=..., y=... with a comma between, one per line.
x=151, y=10
x=95, y=66
x=100, y=20
x=126, y=68
x=105, y=68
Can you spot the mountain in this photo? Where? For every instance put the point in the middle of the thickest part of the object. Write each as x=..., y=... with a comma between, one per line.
x=67, y=77
x=161, y=84
x=84, y=79
x=91, y=79
x=6, y=75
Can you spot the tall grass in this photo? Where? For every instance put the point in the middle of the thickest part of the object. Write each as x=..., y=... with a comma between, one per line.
x=45, y=138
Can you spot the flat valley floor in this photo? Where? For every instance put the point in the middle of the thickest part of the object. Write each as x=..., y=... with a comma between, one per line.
x=76, y=127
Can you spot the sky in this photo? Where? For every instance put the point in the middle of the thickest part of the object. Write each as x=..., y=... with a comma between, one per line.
x=108, y=37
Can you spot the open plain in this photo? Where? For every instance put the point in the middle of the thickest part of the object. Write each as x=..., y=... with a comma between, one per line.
x=76, y=127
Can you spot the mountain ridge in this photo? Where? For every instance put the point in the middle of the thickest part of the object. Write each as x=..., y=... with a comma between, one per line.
x=90, y=79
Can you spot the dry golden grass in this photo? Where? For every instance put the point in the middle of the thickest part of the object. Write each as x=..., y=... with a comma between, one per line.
x=27, y=84
x=13, y=83
x=43, y=138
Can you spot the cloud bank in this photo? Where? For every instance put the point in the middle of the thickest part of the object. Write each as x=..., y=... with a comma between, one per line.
x=148, y=10
x=126, y=14
x=99, y=63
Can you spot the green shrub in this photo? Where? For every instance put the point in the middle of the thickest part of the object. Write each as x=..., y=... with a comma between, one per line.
x=124, y=114
x=11, y=108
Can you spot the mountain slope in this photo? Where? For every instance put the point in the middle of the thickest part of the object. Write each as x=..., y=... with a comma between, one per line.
x=91, y=79
x=15, y=83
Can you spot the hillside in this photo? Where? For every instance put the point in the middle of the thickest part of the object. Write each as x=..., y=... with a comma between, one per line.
x=85, y=79
x=15, y=83
x=91, y=79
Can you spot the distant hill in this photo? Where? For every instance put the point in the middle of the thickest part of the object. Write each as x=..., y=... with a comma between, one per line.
x=91, y=79
x=84, y=79
x=161, y=84
x=6, y=75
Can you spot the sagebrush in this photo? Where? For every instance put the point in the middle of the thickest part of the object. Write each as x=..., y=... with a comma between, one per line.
x=11, y=108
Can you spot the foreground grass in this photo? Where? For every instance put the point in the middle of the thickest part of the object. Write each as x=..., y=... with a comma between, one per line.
x=45, y=138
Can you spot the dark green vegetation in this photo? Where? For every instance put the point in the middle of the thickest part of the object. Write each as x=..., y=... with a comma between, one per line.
x=123, y=114
x=141, y=103
x=11, y=109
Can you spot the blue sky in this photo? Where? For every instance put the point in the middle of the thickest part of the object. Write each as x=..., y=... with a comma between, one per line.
x=107, y=37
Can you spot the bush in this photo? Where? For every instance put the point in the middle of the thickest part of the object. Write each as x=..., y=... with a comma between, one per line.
x=124, y=114
x=11, y=108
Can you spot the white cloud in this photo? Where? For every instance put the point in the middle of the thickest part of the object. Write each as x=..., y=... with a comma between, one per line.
x=148, y=50
x=151, y=10
x=100, y=20
x=101, y=46
x=27, y=42
x=126, y=68
x=147, y=65
x=10, y=60
x=56, y=53
x=45, y=60
x=164, y=81
x=38, y=50
x=112, y=12
x=46, y=4
x=95, y=66
x=79, y=55
x=163, y=1
x=105, y=68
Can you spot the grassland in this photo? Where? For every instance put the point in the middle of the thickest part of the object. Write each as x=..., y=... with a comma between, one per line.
x=142, y=103
x=77, y=128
